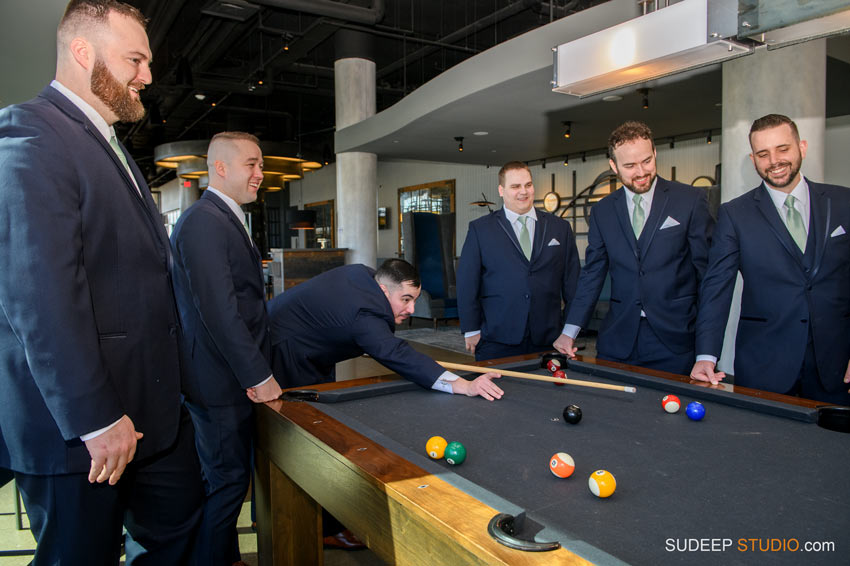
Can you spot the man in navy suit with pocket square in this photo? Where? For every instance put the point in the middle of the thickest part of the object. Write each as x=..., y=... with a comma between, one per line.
x=90, y=409
x=517, y=273
x=652, y=236
x=221, y=296
x=788, y=238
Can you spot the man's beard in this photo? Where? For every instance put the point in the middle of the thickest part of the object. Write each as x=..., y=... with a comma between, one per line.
x=115, y=95
x=794, y=168
x=631, y=185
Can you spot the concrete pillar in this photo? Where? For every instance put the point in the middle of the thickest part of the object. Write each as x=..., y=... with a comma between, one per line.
x=356, y=172
x=790, y=81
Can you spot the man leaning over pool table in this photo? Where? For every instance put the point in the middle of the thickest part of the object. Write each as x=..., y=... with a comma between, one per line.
x=352, y=310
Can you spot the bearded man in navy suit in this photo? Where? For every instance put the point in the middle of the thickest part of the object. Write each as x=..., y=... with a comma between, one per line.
x=652, y=236
x=788, y=238
x=90, y=409
x=517, y=272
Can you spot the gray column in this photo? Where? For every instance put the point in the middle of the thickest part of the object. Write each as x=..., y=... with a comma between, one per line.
x=356, y=172
x=790, y=81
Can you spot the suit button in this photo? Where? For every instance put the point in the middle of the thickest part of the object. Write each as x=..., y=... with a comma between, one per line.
x=641, y=272
x=172, y=330
x=526, y=295
x=808, y=287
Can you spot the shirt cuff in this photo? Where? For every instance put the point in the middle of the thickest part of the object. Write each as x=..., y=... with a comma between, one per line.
x=444, y=382
x=707, y=358
x=571, y=330
x=263, y=382
x=471, y=333
x=98, y=432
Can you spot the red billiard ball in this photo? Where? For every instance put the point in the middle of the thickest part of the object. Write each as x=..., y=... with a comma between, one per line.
x=561, y=374
x=553, y=365
x=671, y=403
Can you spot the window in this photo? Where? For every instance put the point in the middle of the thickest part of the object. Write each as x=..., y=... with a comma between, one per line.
x=438, y=197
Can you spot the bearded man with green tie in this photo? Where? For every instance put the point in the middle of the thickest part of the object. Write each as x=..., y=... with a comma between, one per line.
x=651, y=236
x=788, y=240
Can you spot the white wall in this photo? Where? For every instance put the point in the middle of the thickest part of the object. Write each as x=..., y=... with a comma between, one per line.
x=837, y=140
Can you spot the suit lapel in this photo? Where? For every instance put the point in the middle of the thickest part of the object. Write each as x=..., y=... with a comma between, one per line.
x=539, y=235
x=768, y=211
x=622, y=214
x=503, y=223
x=820, y=212
x=237, y=223
x=656, y=214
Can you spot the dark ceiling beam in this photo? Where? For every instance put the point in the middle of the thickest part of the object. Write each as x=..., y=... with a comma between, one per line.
x=410, y=38
x=330, y=9
x=465, y=31
x=162, y=21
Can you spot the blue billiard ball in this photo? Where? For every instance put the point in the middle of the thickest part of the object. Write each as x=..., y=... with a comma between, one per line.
x=695, y=411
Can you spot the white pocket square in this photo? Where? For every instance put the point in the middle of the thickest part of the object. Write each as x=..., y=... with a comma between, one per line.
x=669, y=223
x=553, y=242
x=837, y=232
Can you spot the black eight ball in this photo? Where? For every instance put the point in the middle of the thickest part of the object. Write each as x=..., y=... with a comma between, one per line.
x=572, y=414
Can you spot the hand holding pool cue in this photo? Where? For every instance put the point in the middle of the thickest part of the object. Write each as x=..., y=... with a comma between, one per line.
x=479, y=369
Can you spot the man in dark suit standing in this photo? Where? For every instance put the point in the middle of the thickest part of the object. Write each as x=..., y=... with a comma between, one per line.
x=221, y=297
x=352, y=310
x=789, y=240
x=517, y=267
x=652, y=236
x=90, y=411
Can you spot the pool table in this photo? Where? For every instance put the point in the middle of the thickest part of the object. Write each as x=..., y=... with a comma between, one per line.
x=753, y=482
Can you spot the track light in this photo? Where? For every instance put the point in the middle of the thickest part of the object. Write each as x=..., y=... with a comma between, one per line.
x=544, y=164
x=583, y=157
x=567, y=129
x=459, y=140
x=645, y=93
x=708, y=138
x=672, y=143
x=566, y=161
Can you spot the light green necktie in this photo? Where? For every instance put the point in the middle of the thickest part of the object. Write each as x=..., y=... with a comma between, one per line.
x=525, y=238
x=794, y=222
x=113, y=142
x=638, y=216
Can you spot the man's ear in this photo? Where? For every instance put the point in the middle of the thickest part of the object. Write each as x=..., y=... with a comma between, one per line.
x=83, y=52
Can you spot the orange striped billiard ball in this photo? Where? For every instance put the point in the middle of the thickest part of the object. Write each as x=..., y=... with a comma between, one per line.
x=562, y=465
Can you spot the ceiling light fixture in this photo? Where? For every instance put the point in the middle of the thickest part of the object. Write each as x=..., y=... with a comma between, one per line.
x=568, y=126
x=566, y=161
x=680, y=37
x=708, y=138
x=672, y=142
x=459, y=140
x=645, y=93
x=583, y=157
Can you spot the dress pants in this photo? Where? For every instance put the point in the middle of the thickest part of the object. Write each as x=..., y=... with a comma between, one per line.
x=224, y=440
x=158, y=500
x=650, y=352
x=488, y=349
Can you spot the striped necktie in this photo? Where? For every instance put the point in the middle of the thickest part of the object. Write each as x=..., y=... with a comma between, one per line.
x=794, y=222
x=525, y=237
x=638, y=216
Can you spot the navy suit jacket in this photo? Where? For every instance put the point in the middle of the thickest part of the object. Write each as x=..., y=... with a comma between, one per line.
x=499, y=291
x=785, y=292
x=88, y=326
x=658, y=273
x=338, y=315
x=218, y=280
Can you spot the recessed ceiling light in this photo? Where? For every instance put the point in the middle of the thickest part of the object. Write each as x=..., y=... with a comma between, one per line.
x=200, y=95
x=480, y=133
x=612, y=98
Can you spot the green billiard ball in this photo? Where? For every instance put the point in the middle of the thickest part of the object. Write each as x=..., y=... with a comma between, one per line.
x=455, y=453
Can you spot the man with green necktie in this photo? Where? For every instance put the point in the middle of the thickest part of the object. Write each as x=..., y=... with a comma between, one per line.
x=788, y=239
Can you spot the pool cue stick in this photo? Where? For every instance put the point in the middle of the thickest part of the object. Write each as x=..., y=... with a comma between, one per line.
x=479, y=369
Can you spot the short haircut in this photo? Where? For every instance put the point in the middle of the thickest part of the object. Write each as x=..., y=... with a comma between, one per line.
x=511, y=166
x=83, y=15
x=227, y=137
x=396, y=272
x=772, y=121
x=626, y=132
